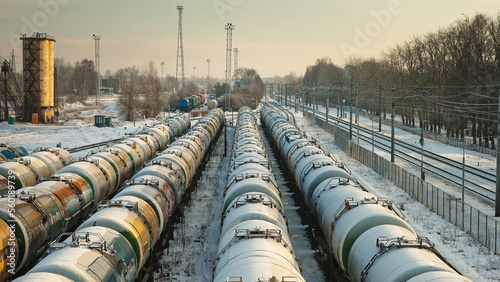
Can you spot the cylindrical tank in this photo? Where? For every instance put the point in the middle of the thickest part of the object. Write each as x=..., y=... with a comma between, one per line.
x=74, y=194
x=156, y=193
x=38, y=219
x=212, y=104
x=55, y=159
x=439, y=276
x=266, y=253
x=20, y=174
x=94, y=176
x=91, y=254
x=124, y=217
x=251, y=206
x=12, y=151
x=134, y=150
x=8, y=252
x=169, y=172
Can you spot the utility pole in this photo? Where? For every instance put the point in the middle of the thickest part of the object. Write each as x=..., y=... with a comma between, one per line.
x=162, y=64
x=303, y=103
x=208, y=76
x=97, y=66
x=12, y=62
x=162, y=80
x=229, y=50
x=341, y=102
x=392, y=125
x=179, y=68
x=497, y=199
x=380, y=109
x=281, y=94
x=327, y=101
x=314, y=101
x=350, y=114
x=286, y=94
x=421, y=139
x=208, y=73
x=296, y=101
x=357, y=111
x=463, y=182
x=5, y=69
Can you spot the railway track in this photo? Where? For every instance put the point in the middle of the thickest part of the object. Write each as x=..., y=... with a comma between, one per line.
x=95, y=145
x=478, y=181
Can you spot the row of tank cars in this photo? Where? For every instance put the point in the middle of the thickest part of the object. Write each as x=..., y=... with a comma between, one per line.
x=367, y=235
x=9, y=151
x=114, y=243
x=49, y=193
x=191, y=102
x=254, y=243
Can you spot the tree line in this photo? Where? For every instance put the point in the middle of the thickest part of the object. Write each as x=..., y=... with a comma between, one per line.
x=454, y=72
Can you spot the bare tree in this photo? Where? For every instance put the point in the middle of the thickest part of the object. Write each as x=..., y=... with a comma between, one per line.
x=150, y=88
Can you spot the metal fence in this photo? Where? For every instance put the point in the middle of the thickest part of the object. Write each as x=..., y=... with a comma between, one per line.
x=480, y=226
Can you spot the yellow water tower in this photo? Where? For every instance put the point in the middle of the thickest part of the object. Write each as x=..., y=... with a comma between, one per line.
x=38, y=72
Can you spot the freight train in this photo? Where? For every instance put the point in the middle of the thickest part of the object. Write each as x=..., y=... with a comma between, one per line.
x=39, y=213
x=191, y=102
x=367, y=235
x=28, y=170
x=115, y=242
x=215, y=103
x=8, y=152
x=254, y=243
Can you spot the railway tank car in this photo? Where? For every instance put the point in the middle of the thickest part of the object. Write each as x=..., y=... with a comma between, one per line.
x=214, y=103
x=61, y=200
x=11, y=151
x=191, y=102
x=367, y=235
x=28, y=170
x=254, y=243
x=115, y=242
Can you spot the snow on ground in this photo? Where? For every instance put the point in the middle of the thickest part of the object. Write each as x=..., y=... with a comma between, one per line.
x=311, y=270
x=471, y=258
x=187, y=263
x=191, y=253
x=9, y=128
x=77, y=131
x=473, y=158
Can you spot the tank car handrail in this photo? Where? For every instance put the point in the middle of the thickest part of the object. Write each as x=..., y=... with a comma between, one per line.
x=387, y=244
x=349, y=203
x=151, y=183
x=255, y=198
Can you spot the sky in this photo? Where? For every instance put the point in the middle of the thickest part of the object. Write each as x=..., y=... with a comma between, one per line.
x=275, y=37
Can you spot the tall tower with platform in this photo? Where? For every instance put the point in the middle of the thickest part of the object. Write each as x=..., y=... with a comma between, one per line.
x=38, y=73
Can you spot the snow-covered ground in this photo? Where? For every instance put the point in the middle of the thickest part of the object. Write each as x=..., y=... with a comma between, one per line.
x=191, y=253
x=471, y=258
x=76, y=127
x=472, y=158
x=195, y=264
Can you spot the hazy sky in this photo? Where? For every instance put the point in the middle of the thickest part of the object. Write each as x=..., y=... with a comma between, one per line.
x=273, y=36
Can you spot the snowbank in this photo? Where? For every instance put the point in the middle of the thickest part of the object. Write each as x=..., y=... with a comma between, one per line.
x=75, y=122
x=113, y=107
x=10, y=128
